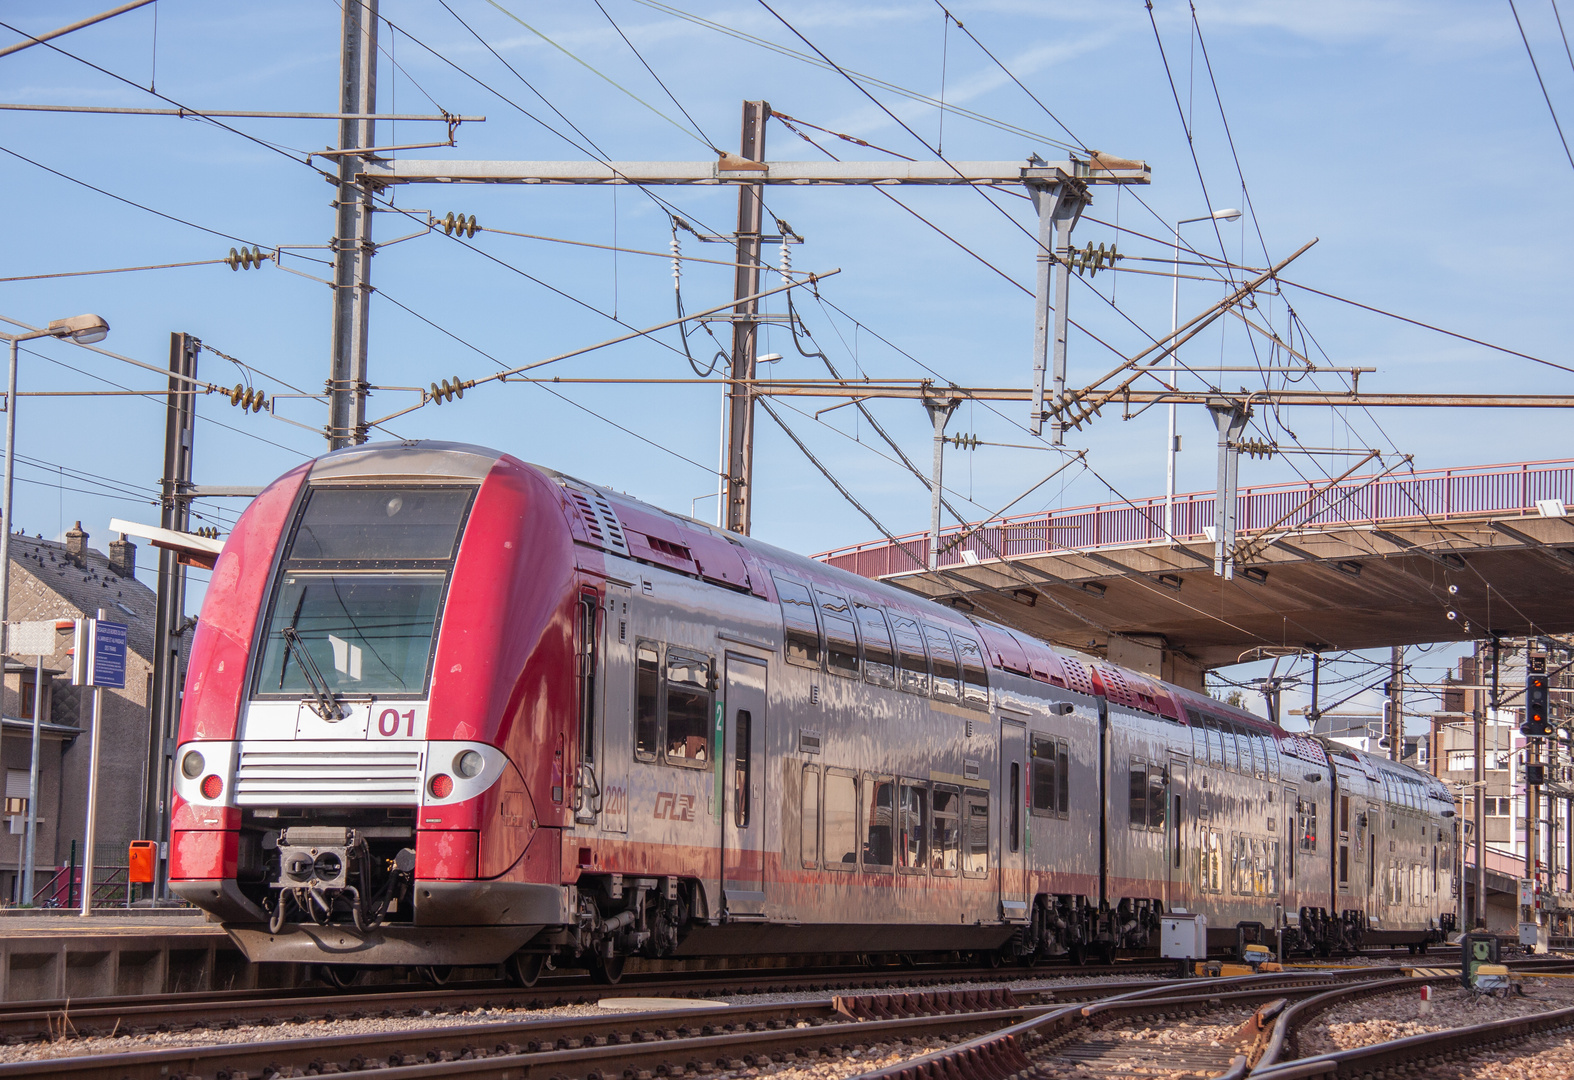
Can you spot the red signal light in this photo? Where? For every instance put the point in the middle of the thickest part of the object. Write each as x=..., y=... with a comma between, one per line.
x=212, y=786
x=442, y=786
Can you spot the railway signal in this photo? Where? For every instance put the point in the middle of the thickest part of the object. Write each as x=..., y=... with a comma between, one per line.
x=1538, y=720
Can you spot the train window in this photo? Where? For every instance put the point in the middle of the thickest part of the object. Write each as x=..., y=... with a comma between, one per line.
x=688, y=710
x=947, y=832
x=809, y=821
x=913, y=840
x=1014, y=801
x=1237, y=862
x=942, y=654
x=877, y=843
x=801, y=632
x=1211, y=870
x=1062, y=776
x=1042, y=780
x=841, y=638
x=363, y=523
x=1259, y=754
x=912, y=663
x=1237, y=755
x=1215, y=743
x=740, y=769
x=841, y=821
x=1271, y=851
x=879, y=657
x=975, y=807
x=647, y=701
x=1157, y=782
x=1344, y=815
x=975, y=678
x=1138, y=793
x=1344, y=866
x=1227, y=755
x=589, y=604
x=1306, y=824
x=1273, y=757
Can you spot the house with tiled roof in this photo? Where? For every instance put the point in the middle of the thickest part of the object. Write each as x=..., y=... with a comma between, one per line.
x=51, y=580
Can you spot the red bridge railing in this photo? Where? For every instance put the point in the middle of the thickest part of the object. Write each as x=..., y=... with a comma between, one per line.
x=1439, y=494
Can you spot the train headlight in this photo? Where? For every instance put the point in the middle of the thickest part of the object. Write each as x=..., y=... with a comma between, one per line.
x=212, y=786
x=468, y=764
x=441, y=786
x=191, y=765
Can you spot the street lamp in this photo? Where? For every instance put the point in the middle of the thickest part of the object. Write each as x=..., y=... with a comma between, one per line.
x=1171, y=447
x=84, y=329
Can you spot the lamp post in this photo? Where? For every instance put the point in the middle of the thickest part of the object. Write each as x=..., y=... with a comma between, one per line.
x=1170, y=447
x=84, y=329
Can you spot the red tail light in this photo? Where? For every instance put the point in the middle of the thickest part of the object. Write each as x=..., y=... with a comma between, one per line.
x=442, y=786
x=212, y=786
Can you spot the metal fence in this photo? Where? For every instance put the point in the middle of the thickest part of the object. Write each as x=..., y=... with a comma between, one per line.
x=1438, y=495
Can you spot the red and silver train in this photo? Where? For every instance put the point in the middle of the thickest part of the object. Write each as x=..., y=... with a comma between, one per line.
x=448, y=708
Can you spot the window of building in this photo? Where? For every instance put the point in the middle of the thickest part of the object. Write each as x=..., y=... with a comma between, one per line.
x=809, y=822
x=942, y=655
x=877, y=843
x=647, y=701
x=976, y=834
x=947, y=830
x=879, y=657
x=689, y=701
x=913, y=828
x=841, y=821
x=1461, y=761
x=912, y=663
x=801, y=632
x=841, y=637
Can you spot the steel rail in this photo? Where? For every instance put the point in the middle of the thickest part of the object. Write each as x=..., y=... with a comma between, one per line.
x=1006, y=1051
x=27, y=1021
x=1426, y=1050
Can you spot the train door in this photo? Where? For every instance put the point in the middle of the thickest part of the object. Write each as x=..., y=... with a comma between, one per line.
x=1374, y=829
x=617, y=708
x=1013, y=820
x=742, y=782
x=1178, y=836
x=1290, y=803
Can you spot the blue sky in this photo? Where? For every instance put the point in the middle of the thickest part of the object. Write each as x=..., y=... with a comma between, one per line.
x=1411, y=139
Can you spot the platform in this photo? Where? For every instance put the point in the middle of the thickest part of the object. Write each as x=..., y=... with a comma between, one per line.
x=63, y=955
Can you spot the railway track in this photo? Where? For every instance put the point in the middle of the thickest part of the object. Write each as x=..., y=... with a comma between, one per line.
x=688, y=1041
x=29, y=1021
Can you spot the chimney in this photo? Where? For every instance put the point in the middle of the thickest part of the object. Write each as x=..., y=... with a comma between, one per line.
x=123, y=557
x=76, y=544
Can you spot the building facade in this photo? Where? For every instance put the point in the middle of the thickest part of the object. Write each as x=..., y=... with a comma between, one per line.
x=63, y=582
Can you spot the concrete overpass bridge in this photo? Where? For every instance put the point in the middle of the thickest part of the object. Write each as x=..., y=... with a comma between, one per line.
x=1396, y=559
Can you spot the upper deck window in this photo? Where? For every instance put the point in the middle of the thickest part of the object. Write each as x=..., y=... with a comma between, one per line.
x=378, y=523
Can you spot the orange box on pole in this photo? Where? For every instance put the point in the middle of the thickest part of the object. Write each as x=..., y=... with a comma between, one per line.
x=144, y=856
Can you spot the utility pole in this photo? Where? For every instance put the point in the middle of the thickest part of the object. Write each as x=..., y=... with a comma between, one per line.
x=1059, y=204
x=939, y=413
x=745, y=328
x=1479, y=786
x=1230, y=418
x=180, y=428
x=352, y=237
x=1396, y=703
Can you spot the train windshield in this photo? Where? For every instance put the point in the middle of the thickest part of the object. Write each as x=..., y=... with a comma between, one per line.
x=360, y=591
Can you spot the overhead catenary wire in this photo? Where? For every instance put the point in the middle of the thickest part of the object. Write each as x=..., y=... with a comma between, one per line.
x=1542, y=83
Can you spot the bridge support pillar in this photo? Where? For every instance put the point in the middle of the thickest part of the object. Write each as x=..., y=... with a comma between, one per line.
x=1151, y=655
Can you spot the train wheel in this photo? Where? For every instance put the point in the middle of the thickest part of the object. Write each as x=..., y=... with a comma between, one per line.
x=523, y=969
x=1077, y=954
x=607, y=971
x=340, y=976
x=436, y=974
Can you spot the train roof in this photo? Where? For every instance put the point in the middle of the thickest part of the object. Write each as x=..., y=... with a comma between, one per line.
x=623, y=525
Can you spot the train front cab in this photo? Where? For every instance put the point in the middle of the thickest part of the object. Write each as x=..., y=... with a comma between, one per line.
x=365, y=770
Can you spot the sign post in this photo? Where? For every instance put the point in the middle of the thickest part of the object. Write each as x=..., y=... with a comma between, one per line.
x=99, y=661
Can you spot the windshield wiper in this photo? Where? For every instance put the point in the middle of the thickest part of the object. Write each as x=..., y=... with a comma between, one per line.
x=325, y=705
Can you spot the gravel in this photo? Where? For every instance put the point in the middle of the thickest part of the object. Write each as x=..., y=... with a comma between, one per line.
x=1398, y=1016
